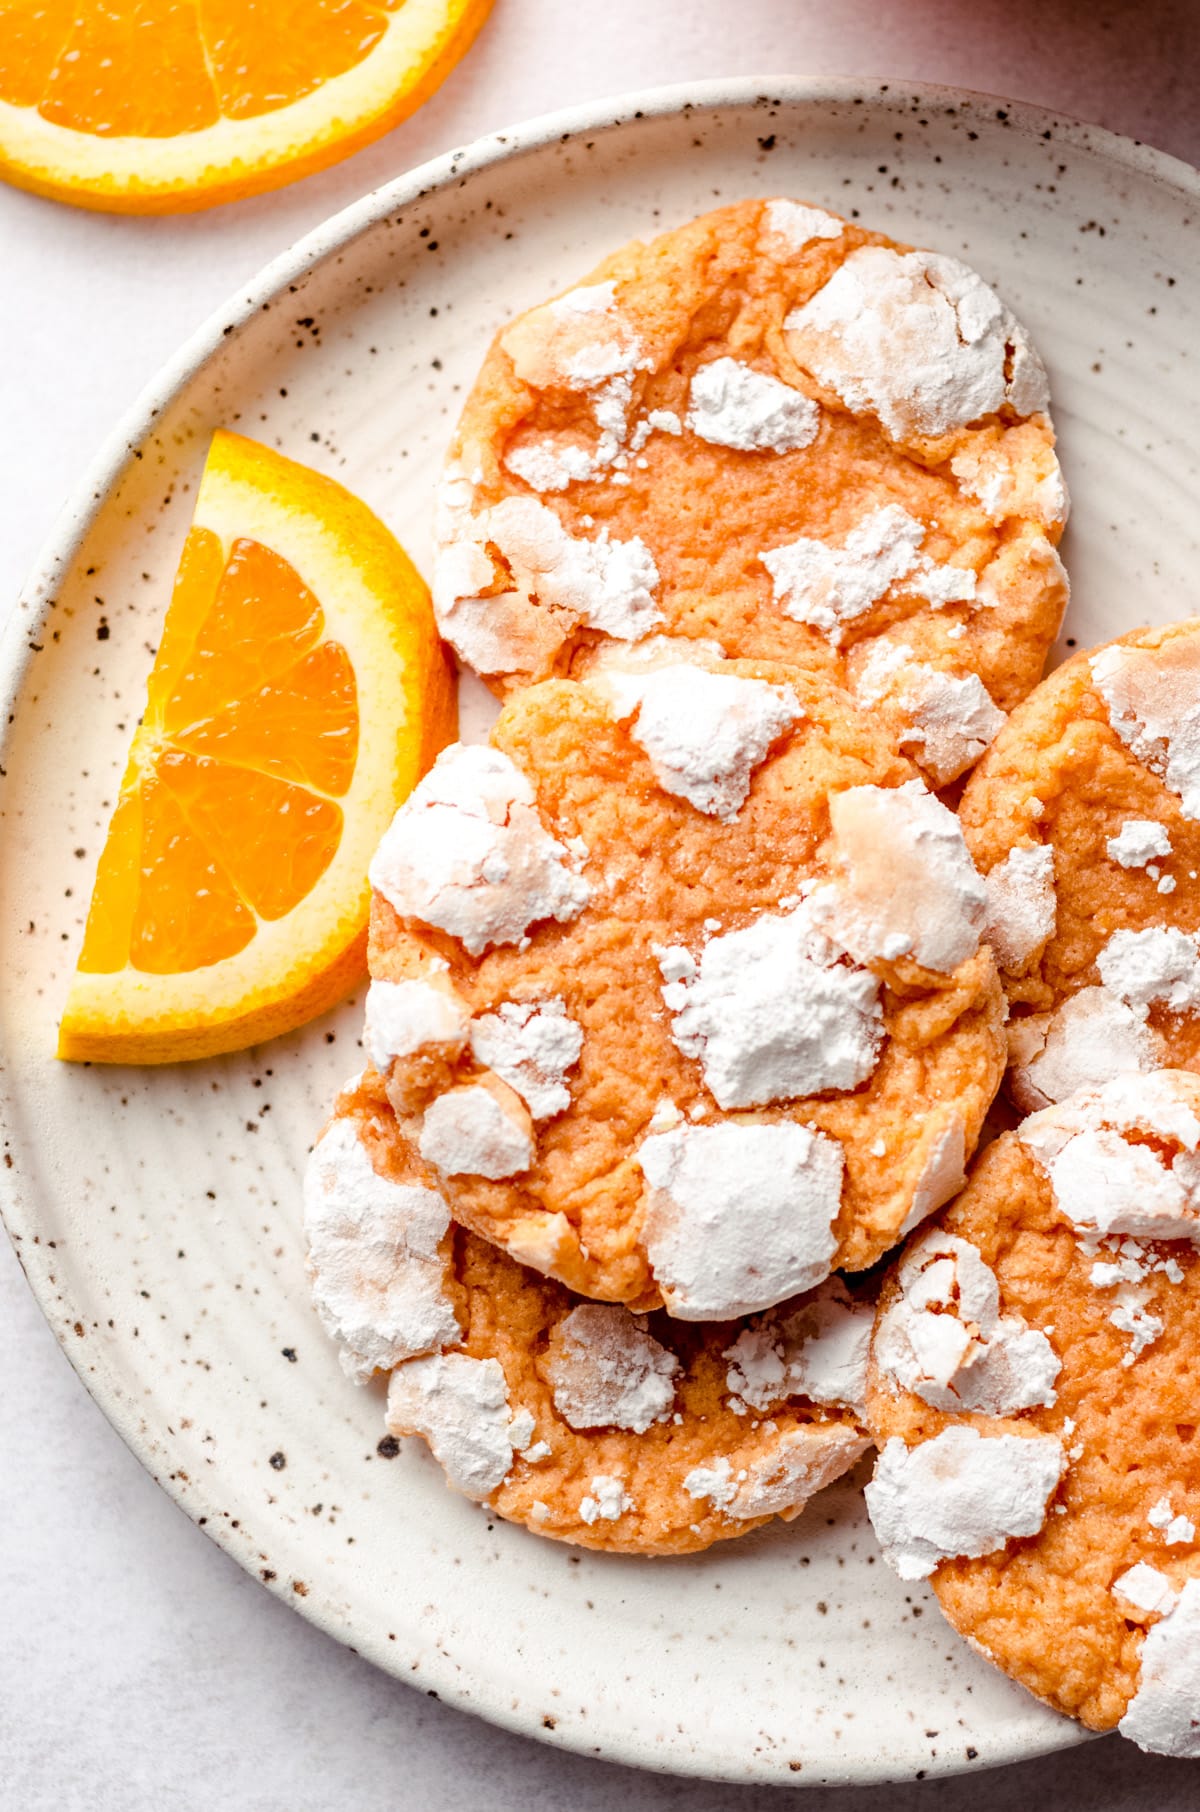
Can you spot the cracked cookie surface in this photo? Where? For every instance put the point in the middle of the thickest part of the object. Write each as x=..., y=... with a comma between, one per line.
x=776, y=430
x=677, y=986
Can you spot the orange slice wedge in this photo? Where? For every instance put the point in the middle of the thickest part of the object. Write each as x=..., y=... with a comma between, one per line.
x=298, y=694
x=156, y=106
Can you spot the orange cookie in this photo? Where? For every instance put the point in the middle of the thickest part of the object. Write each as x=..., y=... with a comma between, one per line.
x=1034, y=1378
x=778, y=431
x=1084, y=817
x=677, y=985
x=580, y=1420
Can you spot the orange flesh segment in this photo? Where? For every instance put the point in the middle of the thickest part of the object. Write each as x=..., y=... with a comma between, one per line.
x=262, y=619
x=136, y=68
x=157, y=68
x=295, y=833
x=188, y=913
x=301, y=727
x=265, y=57
x=198, y=575
x=222, y=820
x=32, y=38
x=109, y=931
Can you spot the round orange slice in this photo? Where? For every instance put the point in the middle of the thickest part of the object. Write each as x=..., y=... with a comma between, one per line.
x=298, y=694
x=157, y=106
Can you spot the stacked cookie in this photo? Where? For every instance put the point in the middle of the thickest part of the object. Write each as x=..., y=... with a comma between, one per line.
x=680, y=1004
x=687, y=1003
x=679, y=1000
x=1036, y=1359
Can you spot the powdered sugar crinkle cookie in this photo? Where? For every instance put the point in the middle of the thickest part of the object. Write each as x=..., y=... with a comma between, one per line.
x=677, y=987
x=580, y=1420
x=775, y=430
x=1084, y=818
x=1034, y=1374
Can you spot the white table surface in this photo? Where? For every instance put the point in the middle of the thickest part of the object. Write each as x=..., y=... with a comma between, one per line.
x=140, y=1670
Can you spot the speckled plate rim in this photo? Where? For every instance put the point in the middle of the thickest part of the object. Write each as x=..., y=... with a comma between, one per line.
x=18, y=1209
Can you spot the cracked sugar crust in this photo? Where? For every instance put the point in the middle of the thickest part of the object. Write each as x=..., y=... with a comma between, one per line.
x=662, y=873
x=715, y=453
x=1043, y=1608
x=376, y=1256
x=1060, y=777
x=943, y=721
x=468, y=853
x=919, y=340
x=960, y=1495
x=507, y=1394
x=704, y=732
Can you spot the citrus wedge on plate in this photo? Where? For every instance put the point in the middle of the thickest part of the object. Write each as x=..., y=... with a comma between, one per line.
x=298, y=694
x=156, y=106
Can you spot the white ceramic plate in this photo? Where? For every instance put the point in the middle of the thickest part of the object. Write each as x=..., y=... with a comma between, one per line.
x=157, y=1212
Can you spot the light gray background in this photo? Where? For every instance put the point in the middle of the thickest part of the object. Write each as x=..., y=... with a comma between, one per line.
x=140, y=1670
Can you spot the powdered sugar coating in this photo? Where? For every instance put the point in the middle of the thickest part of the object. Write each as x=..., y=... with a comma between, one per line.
x=608, y=665
x=1153, y=699
x=609, y=584
x=1022, y=910
x=1105, y=1184
x=578, y=341
x=1160, y=964
x=530, y=1045
x=467, y=852
x=942, y=1175
x=774, y=1011
x=496, y=616
x=733, y=405
x=739, y=1216
x=1175, y=1530
x=407, y=1016
x=798, y=225
x=607, y=1498
x=489, y=627
x=606, y=1371
x=801, y=1463
x=715, y=1483
x=818, y=1350
x=917, y=339
x=1164, y=1104
x=831, y=585
x=905, y=884
x=1140, y=840
x=474, y=1131
x=704, y=733
x=1004, y=488
x=944, y=1337
x=585, y=299
x=1145, y=1590
x=1092, y=1036
x=378, y=1276
x=460, y=1406
x=961, y=1494
x=950, y=719
x=1163, y=1717
x=656, y=421
x=551, y=465
x=1126, y=1275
